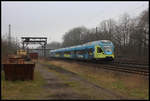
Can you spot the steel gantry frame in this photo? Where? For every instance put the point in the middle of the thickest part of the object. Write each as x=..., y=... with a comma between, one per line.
x=35, y=40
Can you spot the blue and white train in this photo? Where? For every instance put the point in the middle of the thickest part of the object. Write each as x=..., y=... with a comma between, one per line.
x=96, y=50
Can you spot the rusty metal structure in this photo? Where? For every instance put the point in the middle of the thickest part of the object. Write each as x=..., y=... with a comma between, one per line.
x=15, y=71
x=35, y=40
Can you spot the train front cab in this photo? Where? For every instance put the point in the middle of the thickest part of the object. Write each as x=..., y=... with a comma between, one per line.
x=100, y=55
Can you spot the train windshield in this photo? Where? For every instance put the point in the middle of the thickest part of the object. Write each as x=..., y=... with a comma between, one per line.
x=108, y=48
x=106, y=42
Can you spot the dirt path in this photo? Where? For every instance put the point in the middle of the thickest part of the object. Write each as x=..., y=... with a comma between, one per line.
x=73, y=86
x=56, y=88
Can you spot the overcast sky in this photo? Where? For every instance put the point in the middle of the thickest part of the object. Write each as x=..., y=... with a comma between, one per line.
x=53, y=19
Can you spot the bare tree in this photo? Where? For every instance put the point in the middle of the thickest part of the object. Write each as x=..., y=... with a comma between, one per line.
x=74, y=36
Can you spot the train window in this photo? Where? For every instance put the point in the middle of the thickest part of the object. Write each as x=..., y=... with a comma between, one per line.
x=57, y=53
x=72, y=52
x=90, y=51
x=99, y=50
x=81, y=52
x=67, y=53
x=61, y=53
x=77, y=52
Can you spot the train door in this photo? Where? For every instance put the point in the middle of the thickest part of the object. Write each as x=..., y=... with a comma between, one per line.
x=90, y=53
x=98, y=53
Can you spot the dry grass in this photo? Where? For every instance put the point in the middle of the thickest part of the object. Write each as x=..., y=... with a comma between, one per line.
x=79, y=88
x=130, y=85
x=23, y=90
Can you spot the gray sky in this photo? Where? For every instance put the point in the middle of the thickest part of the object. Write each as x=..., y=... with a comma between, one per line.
x=53, y=19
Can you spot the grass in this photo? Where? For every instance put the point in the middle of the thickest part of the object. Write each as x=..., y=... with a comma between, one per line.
x=79, y=87
x=23, y=90
x=89, y=92
x=132, y=86
x=120, y=85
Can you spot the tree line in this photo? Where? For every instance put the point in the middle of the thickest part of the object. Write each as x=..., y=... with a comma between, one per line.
x=129, y=35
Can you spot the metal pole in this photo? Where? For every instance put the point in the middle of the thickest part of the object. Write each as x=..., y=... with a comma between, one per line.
x=23, y=46
x=96, y=30
x=44, y=50
x=96, y=33
x=9, y=36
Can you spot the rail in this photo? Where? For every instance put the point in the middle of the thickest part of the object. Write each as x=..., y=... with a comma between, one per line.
x=116, y=66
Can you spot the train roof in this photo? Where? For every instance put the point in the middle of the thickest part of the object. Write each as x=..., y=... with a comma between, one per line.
x=84, y=46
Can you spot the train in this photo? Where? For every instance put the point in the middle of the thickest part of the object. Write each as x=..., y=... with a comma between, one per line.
x=95, y=50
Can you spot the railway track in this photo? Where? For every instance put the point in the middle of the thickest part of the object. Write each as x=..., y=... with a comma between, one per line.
x=117, y=66
x=128, y=64
x=128, y=68
x=132, y=64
